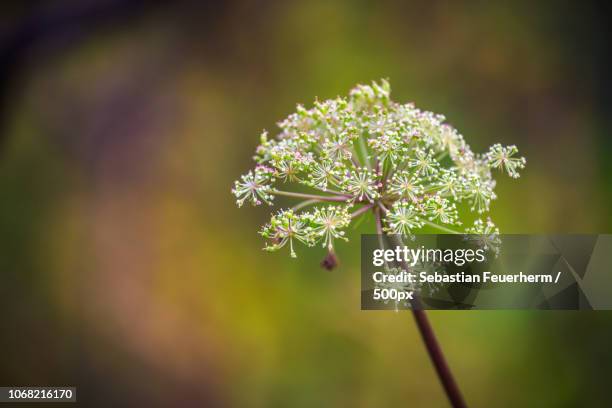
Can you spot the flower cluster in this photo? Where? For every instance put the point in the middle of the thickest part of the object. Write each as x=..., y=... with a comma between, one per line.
x=485, y=235
x=365, y=152
x=324, y=224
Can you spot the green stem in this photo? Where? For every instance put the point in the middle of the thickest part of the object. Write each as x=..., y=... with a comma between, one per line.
x=304, y=204
x=355, y=158
x=442, y=228
x=364, y=151
x=324, y=190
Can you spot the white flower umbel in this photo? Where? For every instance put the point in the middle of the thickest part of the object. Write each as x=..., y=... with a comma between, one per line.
x=502, y=158
x=366, y=153
x=254, y=186
x=362, y=184
x=405, y=184
x=403, y=218
x=328, y=223
x=442, y=210
x=485, y=235
x=286, y=226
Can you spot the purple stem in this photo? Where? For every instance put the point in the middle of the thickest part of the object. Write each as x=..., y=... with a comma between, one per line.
x=431, y=342
x=361, y=210
x=437, y=356
x=337, y=198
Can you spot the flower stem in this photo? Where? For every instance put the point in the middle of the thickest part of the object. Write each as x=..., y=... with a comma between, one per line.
x=304, y=204
x=379, y=229
x=442, y=228
x=434, y=350
x=364, y=152
x=355, y=159
x=330, y=191
x=361, y=210
x=437, y=357
x=311, y=196
x=442, y=155
x=324, y=190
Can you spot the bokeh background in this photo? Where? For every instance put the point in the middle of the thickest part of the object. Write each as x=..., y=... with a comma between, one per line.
x=127, y=270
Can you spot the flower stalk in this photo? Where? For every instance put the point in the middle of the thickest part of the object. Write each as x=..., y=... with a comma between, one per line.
x=434, y=350
x=437, y=357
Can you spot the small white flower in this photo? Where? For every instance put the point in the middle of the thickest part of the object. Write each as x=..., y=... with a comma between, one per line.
x=400, y=287
x=441, y=209
x=328, y=223
x=325, y=173
x=284, y=227
x=479, y=192
x=500, y=157
x=255, y=186
x=485, y=235
x=406, y=185
x=403, y=218
x=424, y=163
x=363, y=184
x=448, y=139
x=388, y=147
x=339, y=147
x=449, y=184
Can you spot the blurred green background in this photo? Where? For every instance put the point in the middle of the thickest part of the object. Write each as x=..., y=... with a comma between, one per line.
x=127, y=270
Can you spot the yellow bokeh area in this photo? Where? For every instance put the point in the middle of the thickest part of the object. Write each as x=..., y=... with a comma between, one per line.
x=129, y=272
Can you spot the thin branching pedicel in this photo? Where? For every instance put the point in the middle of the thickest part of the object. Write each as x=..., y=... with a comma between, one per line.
x=365, y=152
